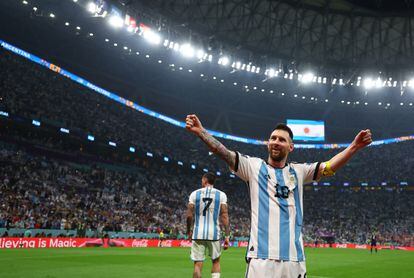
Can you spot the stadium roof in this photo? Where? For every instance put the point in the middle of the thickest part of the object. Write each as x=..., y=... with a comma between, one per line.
x=333, y=35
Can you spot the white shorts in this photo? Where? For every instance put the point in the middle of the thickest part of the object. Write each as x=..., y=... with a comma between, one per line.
x=262, y=268
x=198, y=249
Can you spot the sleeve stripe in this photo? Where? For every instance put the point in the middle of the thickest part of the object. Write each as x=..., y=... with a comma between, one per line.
x=315, y=174
x=236, y=166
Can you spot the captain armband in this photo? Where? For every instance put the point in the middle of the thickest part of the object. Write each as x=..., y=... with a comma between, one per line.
x=327, y=170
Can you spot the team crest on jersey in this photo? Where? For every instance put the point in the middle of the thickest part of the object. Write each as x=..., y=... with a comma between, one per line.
x=292, y=180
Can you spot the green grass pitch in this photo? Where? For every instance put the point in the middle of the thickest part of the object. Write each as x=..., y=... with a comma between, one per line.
x=175, y=262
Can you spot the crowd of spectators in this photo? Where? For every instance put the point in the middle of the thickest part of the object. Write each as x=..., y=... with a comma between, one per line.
x=44, y=190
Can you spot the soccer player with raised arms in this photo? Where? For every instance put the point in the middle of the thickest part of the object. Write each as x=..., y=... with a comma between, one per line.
x=206, y=207
x=276, y=247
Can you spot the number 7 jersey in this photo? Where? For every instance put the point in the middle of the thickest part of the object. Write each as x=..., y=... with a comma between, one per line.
x=207, y=203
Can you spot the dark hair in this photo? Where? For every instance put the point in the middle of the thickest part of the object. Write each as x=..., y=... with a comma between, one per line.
x=211, y=178
x=284, y=127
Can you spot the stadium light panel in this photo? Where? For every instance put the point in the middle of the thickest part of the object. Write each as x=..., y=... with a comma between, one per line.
x=4, y=114
x=116, y=21
x=238, y=65
x=224, y=61
x=176, y=46
x=180, y=163
x=52, y=15
x=411, y=83
x=258, y=70
x=378, y=83
x=78, y=28
x=151, y=36
x=132, y=149
x=218, y=173
x=368, y=83
x=166, y=43
x=232, y=176
x=166, y=159
x=25, y=2
x=253, y=69
x=92, y=7
x=205, y=170
x=200, y=54
x=187, y=50
x=307, y=77
x=243, y=67
x=248, y=68
x=113, y=144
x=193, y=166
x=271, y=73
x=150, y=154
x=34, y=8
x=91, y=138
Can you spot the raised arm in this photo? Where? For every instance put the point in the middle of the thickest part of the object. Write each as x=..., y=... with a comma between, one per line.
x=224, y=219
x=194, y=125
x=328, y=168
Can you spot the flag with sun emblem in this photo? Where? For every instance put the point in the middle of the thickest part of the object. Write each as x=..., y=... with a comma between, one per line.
x=306, y=130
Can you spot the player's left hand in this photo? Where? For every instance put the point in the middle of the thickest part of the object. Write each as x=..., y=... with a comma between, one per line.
x=363, y=139
x=226, y=243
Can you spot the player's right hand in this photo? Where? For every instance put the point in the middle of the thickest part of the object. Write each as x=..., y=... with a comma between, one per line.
x=226, y=243
x=193, y=124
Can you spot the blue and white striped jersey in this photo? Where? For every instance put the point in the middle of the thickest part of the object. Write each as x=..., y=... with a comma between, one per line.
x=207, y=203
x=276, y=198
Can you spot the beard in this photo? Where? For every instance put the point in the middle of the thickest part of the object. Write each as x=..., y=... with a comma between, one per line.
x=277, y=155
